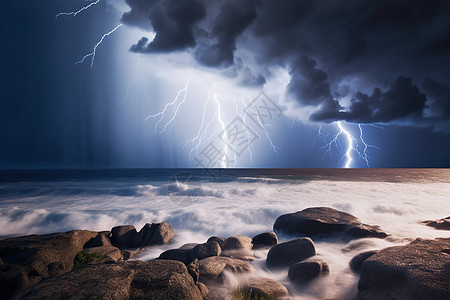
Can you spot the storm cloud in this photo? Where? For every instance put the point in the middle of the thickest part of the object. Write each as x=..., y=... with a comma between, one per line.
x=387, y=59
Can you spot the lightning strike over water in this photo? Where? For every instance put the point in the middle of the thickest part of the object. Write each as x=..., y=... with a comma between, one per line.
x=222, y=124
x=199, y=135
x=74, y=13
x=94, y=51
x=352, y=144
x=162, y=113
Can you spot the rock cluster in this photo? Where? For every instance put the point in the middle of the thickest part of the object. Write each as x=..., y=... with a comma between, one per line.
x=441, y=224
x=37, y=266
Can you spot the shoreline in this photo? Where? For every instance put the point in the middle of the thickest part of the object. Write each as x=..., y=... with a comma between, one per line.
x=216, y=265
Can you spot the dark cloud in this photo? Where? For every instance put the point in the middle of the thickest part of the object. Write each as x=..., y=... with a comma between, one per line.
x=377, y=51
x=402, y=100
x=171, y=20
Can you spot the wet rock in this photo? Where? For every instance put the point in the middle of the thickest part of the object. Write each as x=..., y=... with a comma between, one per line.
x=163, y=234
x=325, y=221
x=29, y=259
x=206, y=250
x=217, y=239
x=288, y=253
x=126, y=280
x=442, y=224
x=237, y=242
x=302, y=272
x=267, y=239
x=419, y=270
x=211, y=267
x=142, y=238
x=183, y=255
x=124, y=236
x=264, y=287
x=242, y=254
x=99, y=241
x=128, y=254
x=357, y=261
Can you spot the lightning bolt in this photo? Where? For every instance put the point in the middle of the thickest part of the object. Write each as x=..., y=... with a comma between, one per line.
x=352, y=144
x=199, y=135
x=162, y=113
x=94, y=51
x=74, y=13
x=222, y=124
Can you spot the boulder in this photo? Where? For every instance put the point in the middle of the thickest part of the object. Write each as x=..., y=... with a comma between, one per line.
x=206, y=250
x=288, y=253
x=267, y=239
x=305, y=271
x=419, y=270
x=357, y=261
x=128, y=254
x=325, y=221
x=211, y=267
x=124, y=236
x=217, y=239
x=188, y=246
x=29, y=259
x=163, y=234
x=237, y=242
x=442, y=224
x=261, y=287
x=125, y=280
x=99, y=241
x=183, y=255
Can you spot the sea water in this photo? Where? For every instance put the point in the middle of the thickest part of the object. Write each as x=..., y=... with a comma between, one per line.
x=202, y=203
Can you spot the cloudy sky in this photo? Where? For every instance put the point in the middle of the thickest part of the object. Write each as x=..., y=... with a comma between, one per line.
x=201, y=83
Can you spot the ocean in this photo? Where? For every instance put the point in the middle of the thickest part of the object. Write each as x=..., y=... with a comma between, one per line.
x=225, y=202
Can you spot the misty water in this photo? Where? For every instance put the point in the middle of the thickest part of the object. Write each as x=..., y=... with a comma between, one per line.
x=202, y=203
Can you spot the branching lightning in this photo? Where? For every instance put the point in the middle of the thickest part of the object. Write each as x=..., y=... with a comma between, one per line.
x=162, y=113
x=94, y=50
x=222, y=124
x=74, y=13
x=352, y=144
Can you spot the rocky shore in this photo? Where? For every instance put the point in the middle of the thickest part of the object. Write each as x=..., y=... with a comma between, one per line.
x=103, y=265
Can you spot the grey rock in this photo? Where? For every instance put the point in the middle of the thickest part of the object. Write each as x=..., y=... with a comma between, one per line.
x=206, y=250
x=188, y=246
x=267, y=239
x=211, y=267
x=288, y=253
x=419, y=270
x=29, y=259
x=126, y=280
x=302, y=272
x=124, y=236
x=264, y=287
x=326, y=221
x=142, y=238
x=237, y=242
x=357, y=261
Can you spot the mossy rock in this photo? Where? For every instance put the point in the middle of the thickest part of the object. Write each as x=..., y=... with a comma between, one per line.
x=84, y=257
